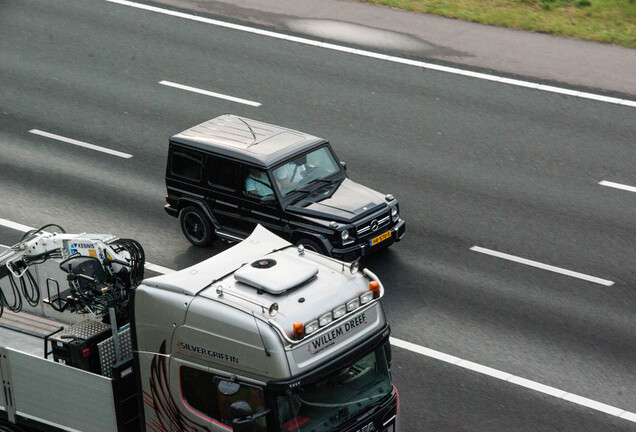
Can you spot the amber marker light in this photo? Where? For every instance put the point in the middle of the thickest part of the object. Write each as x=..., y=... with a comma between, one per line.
x=299, y=332
x=374, y=286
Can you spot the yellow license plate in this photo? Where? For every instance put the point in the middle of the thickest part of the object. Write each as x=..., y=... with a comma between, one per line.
x=380, y=238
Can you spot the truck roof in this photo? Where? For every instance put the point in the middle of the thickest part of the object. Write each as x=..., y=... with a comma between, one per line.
x=245, y=139
x=265, y=270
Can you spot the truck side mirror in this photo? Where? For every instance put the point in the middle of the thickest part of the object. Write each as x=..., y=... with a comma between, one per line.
x=240, y=410
x=229, y=388
x=344, y=165
x=242, y=416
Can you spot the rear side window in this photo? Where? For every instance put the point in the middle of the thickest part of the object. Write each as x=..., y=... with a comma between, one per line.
x=187, y=165
x=223, y=173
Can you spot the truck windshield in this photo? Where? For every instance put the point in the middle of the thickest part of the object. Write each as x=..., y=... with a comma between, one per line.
x=337, y=398
x=305, y=169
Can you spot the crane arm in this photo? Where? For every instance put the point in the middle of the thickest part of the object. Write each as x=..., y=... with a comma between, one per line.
x=101, y=269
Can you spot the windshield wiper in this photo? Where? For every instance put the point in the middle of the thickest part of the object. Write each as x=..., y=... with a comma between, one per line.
x=300, y=194
x=325, y=180
x=309, y=188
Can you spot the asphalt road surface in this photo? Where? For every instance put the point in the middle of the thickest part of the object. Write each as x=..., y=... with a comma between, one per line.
x=518, y=261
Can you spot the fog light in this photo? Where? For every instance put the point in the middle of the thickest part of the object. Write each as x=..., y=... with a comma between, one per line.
x=325, y=319
x=353, y=304
x=339, y=311
x=366, y=297
x=311, y=327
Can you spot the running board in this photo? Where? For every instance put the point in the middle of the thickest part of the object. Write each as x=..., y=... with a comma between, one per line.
x=228, y=237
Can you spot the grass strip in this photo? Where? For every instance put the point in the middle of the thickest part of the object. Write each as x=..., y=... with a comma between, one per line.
x=608, y=21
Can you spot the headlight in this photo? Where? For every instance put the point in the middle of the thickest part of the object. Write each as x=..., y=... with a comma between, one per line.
x=395, y=215
x=344, y=235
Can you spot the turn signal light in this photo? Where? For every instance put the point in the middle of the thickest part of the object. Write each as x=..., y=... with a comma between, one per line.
x=374, y=286
x=299, y=332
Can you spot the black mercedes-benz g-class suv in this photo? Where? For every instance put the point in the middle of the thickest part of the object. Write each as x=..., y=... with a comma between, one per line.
x=230, y=173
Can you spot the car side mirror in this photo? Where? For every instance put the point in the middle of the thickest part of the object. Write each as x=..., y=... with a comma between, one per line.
x=344, y=165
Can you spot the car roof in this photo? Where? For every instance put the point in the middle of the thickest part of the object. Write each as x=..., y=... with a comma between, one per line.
x=246, y=139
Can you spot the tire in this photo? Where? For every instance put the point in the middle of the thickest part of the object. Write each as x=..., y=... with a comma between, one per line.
x=196, y=226
x=311, y=245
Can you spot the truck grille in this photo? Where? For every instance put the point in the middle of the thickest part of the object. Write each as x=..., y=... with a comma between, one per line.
x=373, y=224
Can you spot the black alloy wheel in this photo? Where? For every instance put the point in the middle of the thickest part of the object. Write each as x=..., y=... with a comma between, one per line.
x=196, y=226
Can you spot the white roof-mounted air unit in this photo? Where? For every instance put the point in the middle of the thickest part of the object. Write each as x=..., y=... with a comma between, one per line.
x=276, y=273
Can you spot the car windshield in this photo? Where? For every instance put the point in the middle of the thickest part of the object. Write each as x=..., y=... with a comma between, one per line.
x=302, y=170
x=320, y=406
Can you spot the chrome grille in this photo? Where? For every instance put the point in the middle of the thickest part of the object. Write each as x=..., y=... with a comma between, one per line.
x=373, y=224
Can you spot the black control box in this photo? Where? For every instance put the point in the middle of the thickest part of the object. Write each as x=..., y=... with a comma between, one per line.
x=77, y=345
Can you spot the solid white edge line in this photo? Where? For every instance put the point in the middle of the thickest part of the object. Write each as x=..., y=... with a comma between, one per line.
x=447, y=358
x=617, y=186
x=209, y=93
x=371, y=54
x=516, y=380
x=14, y=225
x=80, y=143
x=542, y=266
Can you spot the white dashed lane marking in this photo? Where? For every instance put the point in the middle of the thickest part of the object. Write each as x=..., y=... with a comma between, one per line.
x=542, y=266
x=209, y=93
x=80, y=143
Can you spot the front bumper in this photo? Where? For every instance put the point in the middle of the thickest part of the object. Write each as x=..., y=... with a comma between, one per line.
x=364, y=248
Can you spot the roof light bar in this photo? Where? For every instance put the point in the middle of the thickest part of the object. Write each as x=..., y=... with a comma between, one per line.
x=374, y=292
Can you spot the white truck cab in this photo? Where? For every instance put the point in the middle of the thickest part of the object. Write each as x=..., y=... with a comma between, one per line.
x=266, y=337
